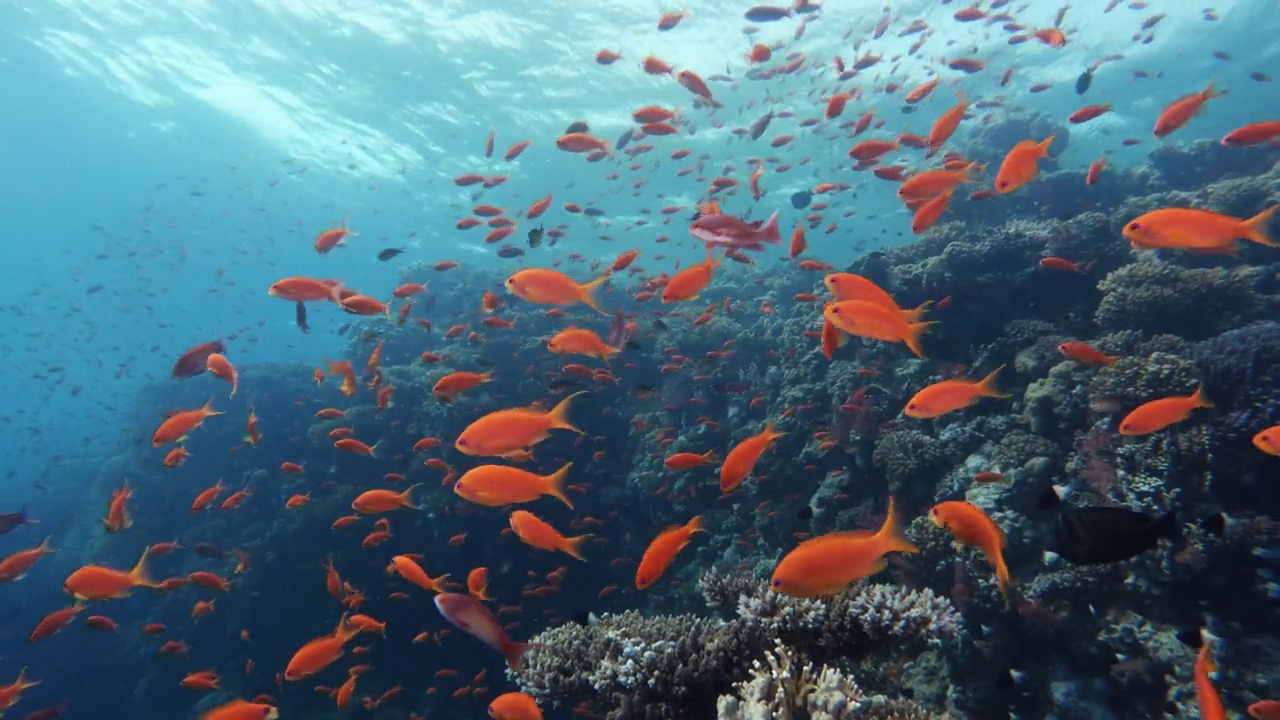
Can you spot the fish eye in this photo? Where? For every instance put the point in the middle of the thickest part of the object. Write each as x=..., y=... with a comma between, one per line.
x=777, y=582
x=1135, y=226
x=835, y=311
x=911, y=406
x=644, y=581
x=462, y=441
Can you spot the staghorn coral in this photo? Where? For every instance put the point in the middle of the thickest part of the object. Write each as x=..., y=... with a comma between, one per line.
x=781, y=688
x=677, y=666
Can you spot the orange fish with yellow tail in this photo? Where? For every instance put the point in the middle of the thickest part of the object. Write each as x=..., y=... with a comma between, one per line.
x=828, y=564
x=970, y=526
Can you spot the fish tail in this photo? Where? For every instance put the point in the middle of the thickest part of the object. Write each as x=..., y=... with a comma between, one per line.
x=1257, y=228
x=1002, y=575
x=770, y=432
x=139, y=571
x=514, y=652
x=559, y=414
x=891, y=534
x=407, y=496
x=22, y=683
x=913, y=315
x=1044, y=145
x=555, y=484
x=770, y=230
x=345, y=630
x=486, y=377
x=695, y=525
x=915, y=332
x=987, y=387
x=588, y=297
x=710, y=456
x=1198, y=400
x=573, y=546
x=208, y=409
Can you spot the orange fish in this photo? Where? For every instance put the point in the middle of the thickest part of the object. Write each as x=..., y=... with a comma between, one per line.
x=95, y=582
x=176, y=426
x=15, y=566
x=870, y=320
x=242, y=710
x=1253, y=134
x=663, y=549
x=449, y=386
x=220, y=367
x=118, y=517
x=1180, y=111
x=740, y=461
x=946, y=125
x=348, y=373
x=318, y=654
x=1198, y=230
x=509, y=432
x=372, y=502
x=686, y=284
x=551, y=287
x=11, y=693
x=1086, y=354
x=580, y=341
x=970, y=526
x=332, y=238
x=848, y=286
x=829, y=563
x=1211, y=707
x=499, y=485
x=1159, y=414
x=932, y=183
x=687, y=460
x=948, y=396
x=251, y=434
x=478, y=583
x=55, y=621
x=535, y=532
x=514, y=706
x=1268, y=441
x=206, y=497
x=301, y=289
x=1020, y=166
x=1265, y=710
x=413, y=572
x=205, y=680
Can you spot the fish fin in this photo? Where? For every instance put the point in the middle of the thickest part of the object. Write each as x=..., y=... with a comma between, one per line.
x=891, y=534
x=987, y=387
x=555, y=484
x=913, y=316
x=770, y=230
x=406, y=495
x=1257, y=227
x=207, y=410
x=695, y=525
x=914, y=332
x=1044, y=146
x=1198, y=400
x=560, y=414
x=139, y=571
x=588, y=297
x=573, y=546
x=1002, y=576
x=514, y=652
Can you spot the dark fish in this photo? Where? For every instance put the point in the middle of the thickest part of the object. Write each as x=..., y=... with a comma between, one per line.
x=582, y=617
x=801, y=199
x=759, y=126
x=485, y=363
x=342, y=329
x=623, y=139
x=659, y=325
x=510, y=251
x=619, y=336
x=592, y=212
x=300, y=317
x=192, y=362
x=535, y=237
x=631, y=345
x=804, y=513
x=1084, y=81
x=562, y=386
x=205, y=550
x=1100, y=535
x=577, y=126
x=730, y=387
x=11, y=521
x=389, y=253
x=767, y=13
x=908, y=109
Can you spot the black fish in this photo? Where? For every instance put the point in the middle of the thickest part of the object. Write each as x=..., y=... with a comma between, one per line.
x=659, y=325
x=577, y=126
x=801, y=199
x=11, y=521
x=759, y=126
x=582, y=617
x=389, y=253
x=510, y=251
x=300, y=317
x=535, y=237
x=804, y=513
x=205, y=550
x=1100, y=535
x=631, y=345
x=592, y=212
x=908, y=109
x=1084, y=81
x=623, y=139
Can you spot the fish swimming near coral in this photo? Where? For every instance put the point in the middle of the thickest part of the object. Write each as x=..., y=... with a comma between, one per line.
x=12, y=521
x=1100, y=535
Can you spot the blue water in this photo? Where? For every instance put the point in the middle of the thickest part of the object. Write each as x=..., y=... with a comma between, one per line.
x=165, y=164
